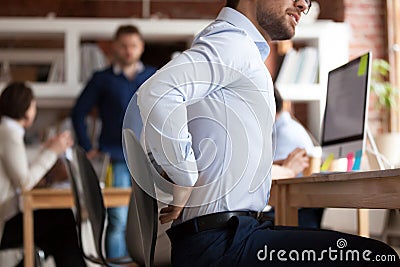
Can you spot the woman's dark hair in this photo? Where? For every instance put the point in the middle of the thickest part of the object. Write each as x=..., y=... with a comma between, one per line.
x=278, y=101
x=15, y=100
x=232, y=3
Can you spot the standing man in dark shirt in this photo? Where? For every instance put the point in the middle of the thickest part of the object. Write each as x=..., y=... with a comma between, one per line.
x=110, y=91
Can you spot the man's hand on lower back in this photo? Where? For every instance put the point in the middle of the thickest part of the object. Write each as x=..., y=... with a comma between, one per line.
x=170, y=213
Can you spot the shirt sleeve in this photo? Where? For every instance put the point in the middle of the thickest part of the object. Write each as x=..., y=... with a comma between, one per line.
x=22, y=174
x=83, y=106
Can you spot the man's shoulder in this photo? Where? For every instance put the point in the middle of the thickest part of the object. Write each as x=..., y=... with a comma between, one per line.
x=102, y=73
x=107, y=70
x=227, y=42
x=222, y=29
x=287, y=122
x=99, y=75
x=149, y=69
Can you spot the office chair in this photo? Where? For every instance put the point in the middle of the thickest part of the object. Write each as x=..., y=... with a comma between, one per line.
x=89, y=205
x=142, y=225
x=39, y=254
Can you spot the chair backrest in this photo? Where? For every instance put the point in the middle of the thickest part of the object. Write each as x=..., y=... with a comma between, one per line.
x=142, y=225
x=88, y=198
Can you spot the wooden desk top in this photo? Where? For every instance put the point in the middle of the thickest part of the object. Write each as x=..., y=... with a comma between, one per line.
x=342, y=176
x=370, y=189
x=49, y=198
x=63, y=191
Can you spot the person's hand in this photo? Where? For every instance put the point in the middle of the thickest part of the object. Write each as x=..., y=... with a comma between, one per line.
x=60, y=143
x=297, y=161
x=170, y=213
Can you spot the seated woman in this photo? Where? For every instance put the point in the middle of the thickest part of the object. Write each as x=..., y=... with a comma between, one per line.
x=54, y=230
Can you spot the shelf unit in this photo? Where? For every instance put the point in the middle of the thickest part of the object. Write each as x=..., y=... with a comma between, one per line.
x=332, y=43
x=74, y=31
x=331, y=40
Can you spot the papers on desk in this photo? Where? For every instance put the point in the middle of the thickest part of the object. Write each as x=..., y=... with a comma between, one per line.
x=99, y=163
x=61, y=185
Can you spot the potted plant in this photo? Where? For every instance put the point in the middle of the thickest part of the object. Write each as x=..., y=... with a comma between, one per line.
x=387, y=142
x=382, y=88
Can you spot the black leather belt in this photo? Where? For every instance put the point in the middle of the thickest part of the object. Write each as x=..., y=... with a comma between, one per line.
x=210, y=221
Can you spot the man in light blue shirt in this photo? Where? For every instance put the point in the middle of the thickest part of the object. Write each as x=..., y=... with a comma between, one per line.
x=289, y=133
x=222, y=97
x=207, y=119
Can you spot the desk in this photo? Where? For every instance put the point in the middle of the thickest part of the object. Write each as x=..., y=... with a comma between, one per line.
x=58, y=198
x=361, y=190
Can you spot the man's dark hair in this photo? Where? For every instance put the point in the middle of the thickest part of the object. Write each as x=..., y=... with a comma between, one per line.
x=278, y=101
x=127, y=29
x=232, y=3
x=15, y=100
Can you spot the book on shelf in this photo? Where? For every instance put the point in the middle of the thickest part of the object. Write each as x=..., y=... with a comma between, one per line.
x=288, y=70
x=309, y=66
x=56, y=73
x=299, y=67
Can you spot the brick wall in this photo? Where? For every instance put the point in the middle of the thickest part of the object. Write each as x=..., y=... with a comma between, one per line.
x=111, y=8
x=367, y=19
x=333, y=10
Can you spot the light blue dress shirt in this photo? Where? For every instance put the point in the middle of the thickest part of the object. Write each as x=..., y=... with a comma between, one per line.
x=290, y=135
x=208, y=117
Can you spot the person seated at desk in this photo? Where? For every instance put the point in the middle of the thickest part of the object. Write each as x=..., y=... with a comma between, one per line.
x=292, y=142
x=291, y=166
x=289, y=133
x=54, y=230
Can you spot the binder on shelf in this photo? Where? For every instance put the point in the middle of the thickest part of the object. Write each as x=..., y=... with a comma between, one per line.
x=56, y=73
x=299, y=67
x=289, y=67
x=92, y=59
x=308, y=66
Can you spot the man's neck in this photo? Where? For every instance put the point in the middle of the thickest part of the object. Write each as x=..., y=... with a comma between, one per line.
x=249, y=10
x=130, y=70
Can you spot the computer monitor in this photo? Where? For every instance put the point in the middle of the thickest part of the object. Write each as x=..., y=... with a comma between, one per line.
x=344, y=125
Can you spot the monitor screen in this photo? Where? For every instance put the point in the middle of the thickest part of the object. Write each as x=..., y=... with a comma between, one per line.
x=345, y=117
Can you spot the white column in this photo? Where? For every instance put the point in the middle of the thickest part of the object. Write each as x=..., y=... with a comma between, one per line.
x=72, y=57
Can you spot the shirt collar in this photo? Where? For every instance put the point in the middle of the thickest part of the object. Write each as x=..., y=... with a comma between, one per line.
x=239, y=20
x=13, y=124
x=118, y=70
